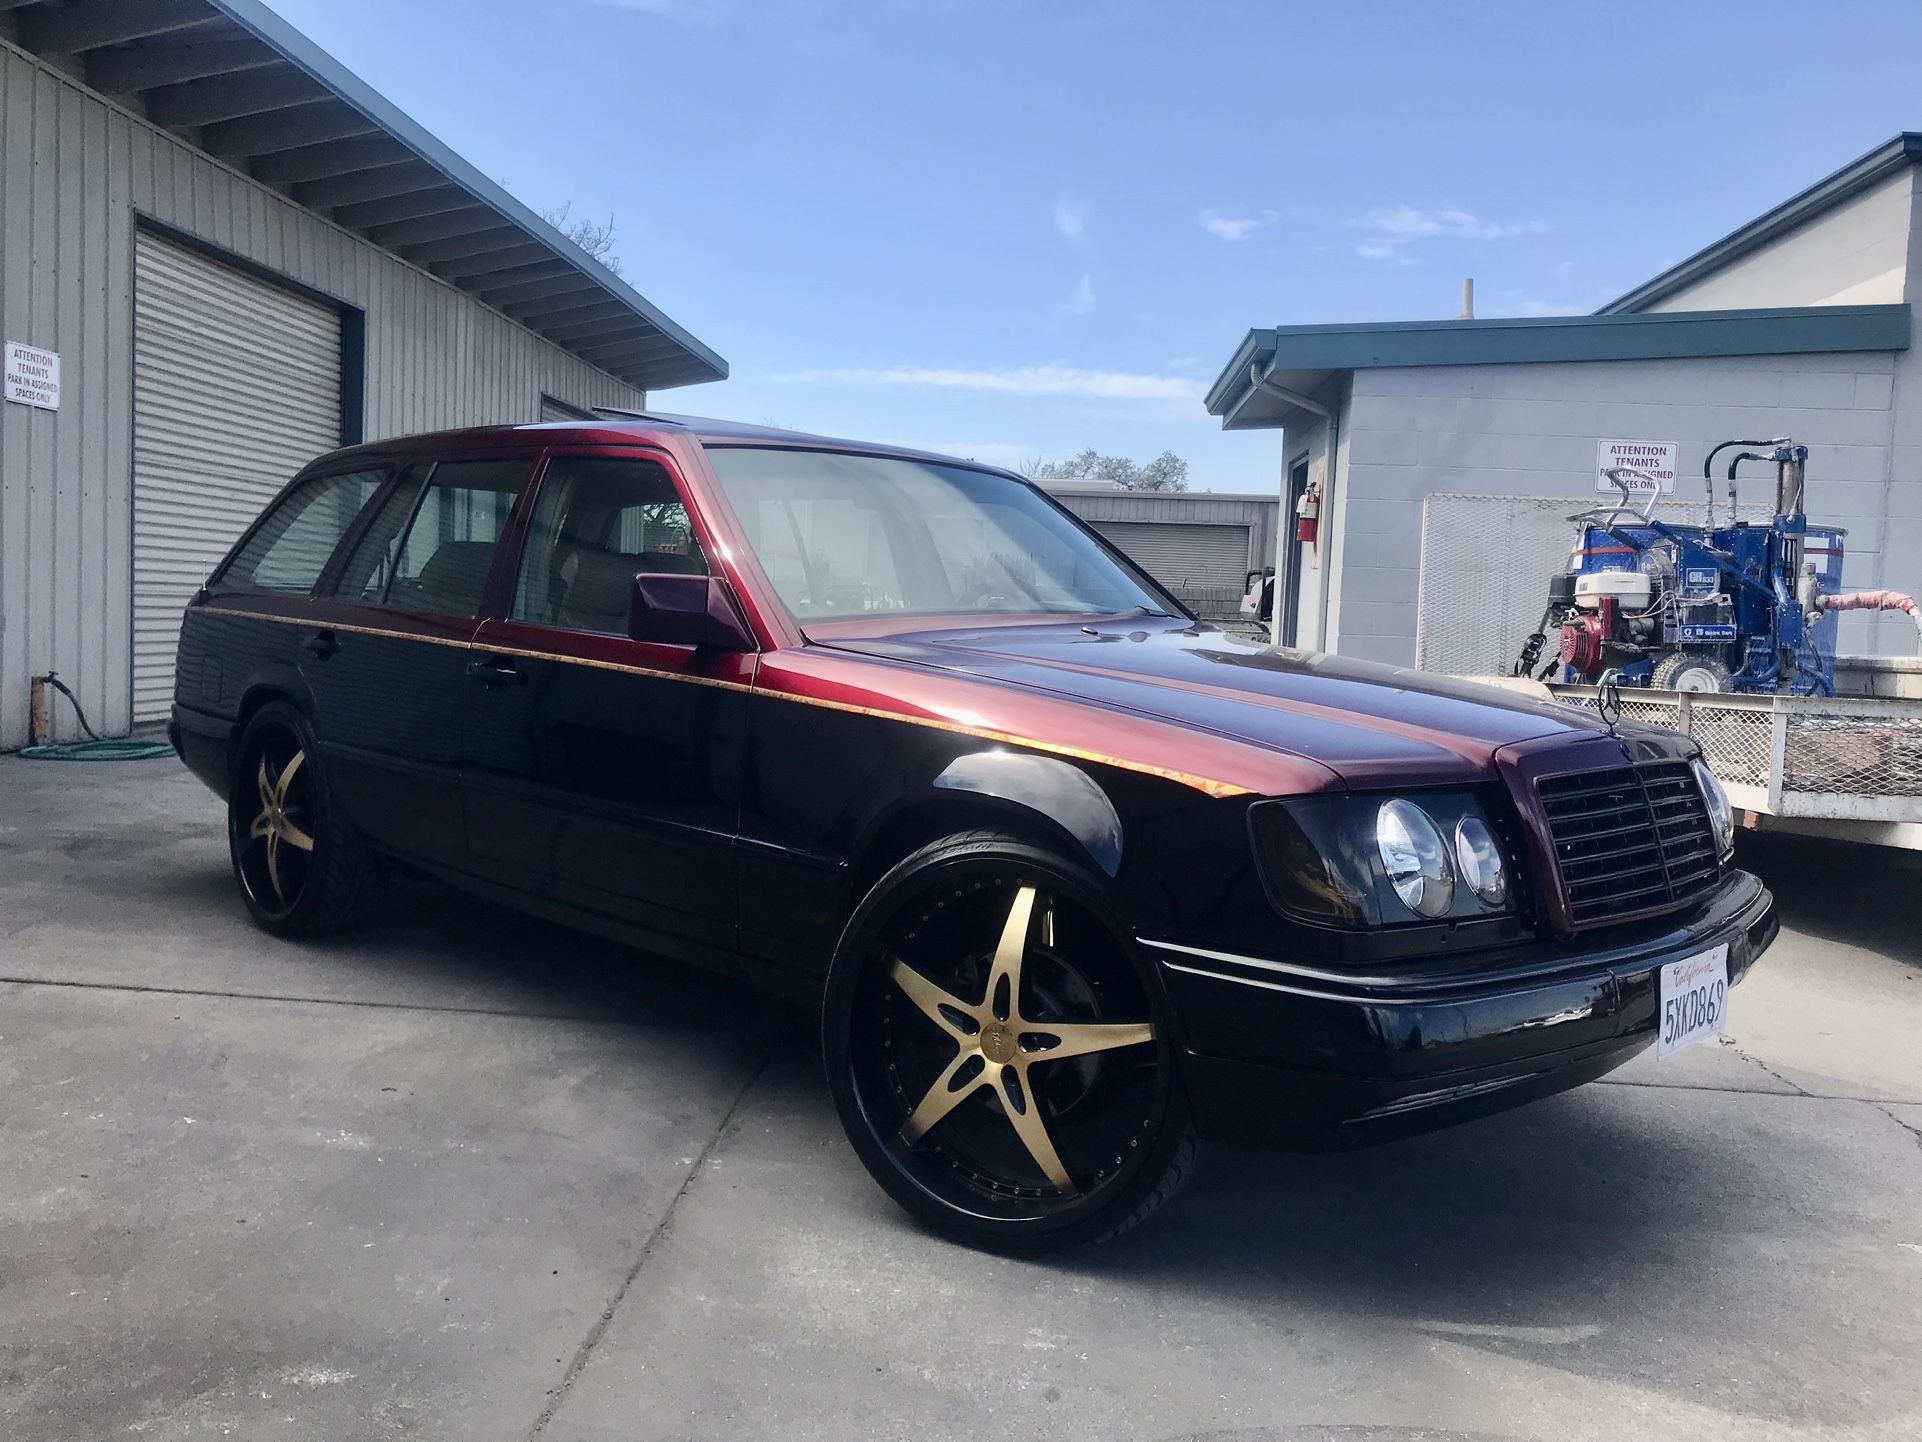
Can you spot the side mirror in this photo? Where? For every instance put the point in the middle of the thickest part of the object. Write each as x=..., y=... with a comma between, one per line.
x=674, y=610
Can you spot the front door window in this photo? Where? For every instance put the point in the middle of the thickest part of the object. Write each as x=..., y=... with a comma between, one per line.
x=599, y=522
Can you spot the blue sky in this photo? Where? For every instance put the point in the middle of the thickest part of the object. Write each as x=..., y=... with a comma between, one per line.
x=1017, y=228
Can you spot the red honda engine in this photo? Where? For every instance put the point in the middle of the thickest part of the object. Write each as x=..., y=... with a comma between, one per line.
x=1583, y=640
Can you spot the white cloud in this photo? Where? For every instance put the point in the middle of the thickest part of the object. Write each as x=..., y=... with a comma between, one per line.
x=1230, y=227
x=1393, y=229
x=1012, y=380
x=1382, y=250
x=1071, y=219
x=1082, y=301
x=679, y=12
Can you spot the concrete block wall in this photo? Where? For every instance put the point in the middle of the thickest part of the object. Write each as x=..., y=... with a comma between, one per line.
x=1530, y=430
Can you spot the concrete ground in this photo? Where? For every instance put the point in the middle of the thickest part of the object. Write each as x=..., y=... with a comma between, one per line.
x=472, y=1177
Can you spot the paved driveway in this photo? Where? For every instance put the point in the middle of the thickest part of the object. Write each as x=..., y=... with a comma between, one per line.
x=469, y=1176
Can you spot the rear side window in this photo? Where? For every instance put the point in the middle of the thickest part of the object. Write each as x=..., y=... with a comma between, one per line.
x=447, y=551
x=370, y=565
x=286, y=555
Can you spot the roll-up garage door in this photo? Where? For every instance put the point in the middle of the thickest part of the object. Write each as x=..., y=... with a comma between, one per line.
x=1205, y=565
x=236, y=387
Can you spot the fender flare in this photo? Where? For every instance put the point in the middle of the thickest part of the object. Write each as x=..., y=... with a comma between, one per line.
x=1063, y=795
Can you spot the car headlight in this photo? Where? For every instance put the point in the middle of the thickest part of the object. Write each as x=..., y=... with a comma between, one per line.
x=1721, y=816
x=1358, y=862
x=1478, y=861
x=1415, y=858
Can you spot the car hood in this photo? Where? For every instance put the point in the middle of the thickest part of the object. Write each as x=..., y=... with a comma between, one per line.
x=1372, y=724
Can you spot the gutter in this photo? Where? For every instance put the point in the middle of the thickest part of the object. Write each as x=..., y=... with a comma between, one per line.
x=1259, y=379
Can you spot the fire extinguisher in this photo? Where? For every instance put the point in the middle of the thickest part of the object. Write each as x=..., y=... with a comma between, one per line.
x=1308, y=516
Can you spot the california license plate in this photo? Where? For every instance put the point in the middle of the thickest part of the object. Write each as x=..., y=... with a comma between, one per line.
x=1694, y=1000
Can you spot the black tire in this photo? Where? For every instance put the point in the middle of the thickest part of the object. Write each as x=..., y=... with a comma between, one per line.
x=1020, y=1153
x=1696, y=671
x=302, y=871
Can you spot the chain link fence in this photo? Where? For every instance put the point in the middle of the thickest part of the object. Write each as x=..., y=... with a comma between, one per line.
x=1837, y=757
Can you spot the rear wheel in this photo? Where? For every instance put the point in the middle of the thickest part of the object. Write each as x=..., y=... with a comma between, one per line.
x=999, y=1056
x=302, y=871
x=1691, y=671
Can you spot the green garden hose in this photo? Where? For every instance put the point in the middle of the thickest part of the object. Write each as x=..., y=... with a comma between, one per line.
x=93, y=748
x=99, y=751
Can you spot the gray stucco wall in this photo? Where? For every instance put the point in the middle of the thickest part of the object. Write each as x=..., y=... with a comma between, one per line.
x=75, y=173
x=1531, y=430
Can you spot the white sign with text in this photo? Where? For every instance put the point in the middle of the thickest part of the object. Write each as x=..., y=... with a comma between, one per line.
x=32, y=376
x=1658, y=458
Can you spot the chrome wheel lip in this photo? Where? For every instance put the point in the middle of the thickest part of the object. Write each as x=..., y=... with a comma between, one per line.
x=1028, y=1207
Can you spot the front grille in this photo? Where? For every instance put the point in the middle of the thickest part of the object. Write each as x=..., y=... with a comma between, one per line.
x=1631, y=839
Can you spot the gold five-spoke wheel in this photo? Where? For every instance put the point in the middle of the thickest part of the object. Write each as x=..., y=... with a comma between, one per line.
x=273, y=826
x=997, y=1047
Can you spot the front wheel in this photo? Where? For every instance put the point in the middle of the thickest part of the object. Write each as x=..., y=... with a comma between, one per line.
x=998, y=1054
x=302, y=870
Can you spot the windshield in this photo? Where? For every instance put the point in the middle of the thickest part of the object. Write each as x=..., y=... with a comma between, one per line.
x=842, y=536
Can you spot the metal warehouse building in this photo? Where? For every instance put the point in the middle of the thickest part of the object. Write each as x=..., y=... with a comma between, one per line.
x=220, y=255
x=1448, y=453
x=1199, y=544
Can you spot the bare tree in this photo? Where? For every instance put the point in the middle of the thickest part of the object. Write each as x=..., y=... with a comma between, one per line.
x=1166, y=472
x=591, y=236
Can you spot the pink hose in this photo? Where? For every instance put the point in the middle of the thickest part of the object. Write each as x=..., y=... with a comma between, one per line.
x=1873, y=601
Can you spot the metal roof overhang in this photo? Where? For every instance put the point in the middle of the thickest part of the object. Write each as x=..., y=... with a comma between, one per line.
x=235, y=80
x=1303, y=358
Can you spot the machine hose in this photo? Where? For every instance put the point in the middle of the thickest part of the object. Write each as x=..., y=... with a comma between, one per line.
x=1873, y=601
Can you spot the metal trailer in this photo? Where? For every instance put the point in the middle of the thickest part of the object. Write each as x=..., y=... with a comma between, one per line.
x=1847, y=766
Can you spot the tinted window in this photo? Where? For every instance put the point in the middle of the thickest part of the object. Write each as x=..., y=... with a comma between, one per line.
x=598, y=522
x=841, y=535
x=441, y=564
x=291, y=548
x=370, y=564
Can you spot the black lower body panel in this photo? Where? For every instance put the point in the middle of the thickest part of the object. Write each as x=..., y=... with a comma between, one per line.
x=203, y=741
x=1300, y=1058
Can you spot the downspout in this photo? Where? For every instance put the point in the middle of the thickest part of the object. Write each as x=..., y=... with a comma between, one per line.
x=1314, y=408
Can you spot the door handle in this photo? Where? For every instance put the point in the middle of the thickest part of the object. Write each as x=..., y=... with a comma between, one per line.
x=322, y=644
x=496, y=672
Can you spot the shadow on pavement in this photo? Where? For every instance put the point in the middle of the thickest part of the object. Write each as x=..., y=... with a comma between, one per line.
x=436, y=935
x=1841, y=891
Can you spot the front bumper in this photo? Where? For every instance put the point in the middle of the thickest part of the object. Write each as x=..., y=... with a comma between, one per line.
x=1300, y=1056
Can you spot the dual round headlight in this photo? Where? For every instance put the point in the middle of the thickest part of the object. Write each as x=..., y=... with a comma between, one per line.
x=1721, y=816
x=1421, y=868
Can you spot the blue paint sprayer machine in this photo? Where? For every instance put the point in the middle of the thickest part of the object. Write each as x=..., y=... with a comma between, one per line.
x=1745, y=607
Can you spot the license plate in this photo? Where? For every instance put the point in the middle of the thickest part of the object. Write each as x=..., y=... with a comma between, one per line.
x=1694, y=1000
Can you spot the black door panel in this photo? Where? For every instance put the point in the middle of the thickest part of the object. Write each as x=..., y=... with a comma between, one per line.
x=387, y=698
x=606, y=788
x=386, y=660
x=600, y=771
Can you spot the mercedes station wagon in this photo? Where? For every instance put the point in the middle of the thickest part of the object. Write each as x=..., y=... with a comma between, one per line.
x=1076, y=881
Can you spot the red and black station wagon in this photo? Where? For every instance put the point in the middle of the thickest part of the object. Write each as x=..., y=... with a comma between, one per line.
x=1077, y=879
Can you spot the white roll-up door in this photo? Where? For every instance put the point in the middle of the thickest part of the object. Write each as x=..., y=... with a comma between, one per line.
x=236, y=387
x=1205, y=565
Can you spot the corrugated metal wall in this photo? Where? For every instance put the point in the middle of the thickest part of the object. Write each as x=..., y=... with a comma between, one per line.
x=75, y=173
x=1252, y=516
